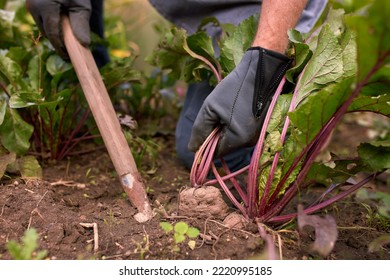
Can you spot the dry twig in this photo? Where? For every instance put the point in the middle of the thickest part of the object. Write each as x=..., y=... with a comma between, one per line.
x=95, y=234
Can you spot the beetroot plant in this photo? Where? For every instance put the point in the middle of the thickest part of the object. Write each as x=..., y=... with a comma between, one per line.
x=342, y=66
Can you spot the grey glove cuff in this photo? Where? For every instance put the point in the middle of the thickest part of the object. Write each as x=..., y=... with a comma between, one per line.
x=270, y=70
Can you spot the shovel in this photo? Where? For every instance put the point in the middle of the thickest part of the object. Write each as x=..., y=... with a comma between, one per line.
x=108, y=124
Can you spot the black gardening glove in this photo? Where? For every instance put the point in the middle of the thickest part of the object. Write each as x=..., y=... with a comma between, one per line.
x=47, y=15
x=240, y=101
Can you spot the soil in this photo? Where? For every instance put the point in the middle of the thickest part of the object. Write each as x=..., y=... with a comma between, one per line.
x=83, y=190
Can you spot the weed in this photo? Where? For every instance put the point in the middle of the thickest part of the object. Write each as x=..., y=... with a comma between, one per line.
x=26, y=250
x=181, y=231
x=142, y=247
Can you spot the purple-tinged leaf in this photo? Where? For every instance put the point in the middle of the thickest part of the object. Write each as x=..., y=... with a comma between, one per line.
x=325, y=230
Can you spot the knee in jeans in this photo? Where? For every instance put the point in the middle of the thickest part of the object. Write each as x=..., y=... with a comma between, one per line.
x=184, y=154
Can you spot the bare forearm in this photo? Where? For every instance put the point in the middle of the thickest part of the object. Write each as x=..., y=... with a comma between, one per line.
x=276, y=18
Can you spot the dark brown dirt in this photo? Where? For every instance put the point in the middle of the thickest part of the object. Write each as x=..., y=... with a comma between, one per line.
x=85, y=189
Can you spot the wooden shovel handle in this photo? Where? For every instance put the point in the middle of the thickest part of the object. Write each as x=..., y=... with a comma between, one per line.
x=107, y=121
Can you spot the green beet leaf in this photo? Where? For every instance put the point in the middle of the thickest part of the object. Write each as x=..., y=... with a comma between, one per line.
x=317, y=109
x=234, y=44
x=6, y=20
x=302, y=55
x=15, y=133
x=325, y=67
x=372, y=27
x=11, y=71
x=29, y=167
x=378, y=104
x=376, y=154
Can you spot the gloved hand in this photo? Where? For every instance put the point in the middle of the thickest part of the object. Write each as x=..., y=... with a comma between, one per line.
x=47, y=15
x=239, y=103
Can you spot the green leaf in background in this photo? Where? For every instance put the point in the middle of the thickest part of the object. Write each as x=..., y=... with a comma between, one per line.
x=26, y=249
x=29, y=167
x=15, y=133
x=236, y=43
x=302, y=54
x=5, y=159
x=6, y=19
x=170, y=53
x=348, y=47
x=201, y=44
x=18, y=54
x=55, y=64
x=120, y=71
x=3, y=106
x=377, y=104
x=372, y=27
x=35, y=72
x=12, y=71
x=200, y=47
x=25, y=99
x=379, y=83
x=336, y=173
x=325, y=67
x=376, y=154
x=381, y=197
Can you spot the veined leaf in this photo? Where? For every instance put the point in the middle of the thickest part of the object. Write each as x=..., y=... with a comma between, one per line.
x=302, y=55
x=280, y=113
x=372, y=27
x=119, y=71
x=378, y=104
x=379, y=83
x=12, y=71
x=35, y=72
x=170, y=53
x=25, y=99
x=317, y=109
x=348, y=46
x=325, y=67
x=55, y=64
x=340, y=173
x=235, y=44
x=376, y=156
x=201, y=44
x=15, y=133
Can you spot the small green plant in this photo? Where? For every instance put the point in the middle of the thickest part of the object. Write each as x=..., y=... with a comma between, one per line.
x=26, y=250
x=378, y=207
x=181, y=231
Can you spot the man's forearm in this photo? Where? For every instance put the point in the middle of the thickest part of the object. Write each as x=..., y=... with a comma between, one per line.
x=276, y=18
